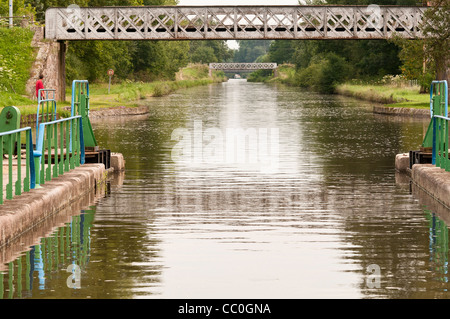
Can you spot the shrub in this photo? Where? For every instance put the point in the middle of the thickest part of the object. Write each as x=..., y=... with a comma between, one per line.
x=324, y=73
x=16, y=58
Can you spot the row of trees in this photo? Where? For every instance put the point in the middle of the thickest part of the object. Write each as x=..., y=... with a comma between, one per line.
x=319, y=64
x=323, y=64
x=135, y=60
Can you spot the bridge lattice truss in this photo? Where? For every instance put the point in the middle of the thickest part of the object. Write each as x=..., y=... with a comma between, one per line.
x=242, y=66
x=233, y=22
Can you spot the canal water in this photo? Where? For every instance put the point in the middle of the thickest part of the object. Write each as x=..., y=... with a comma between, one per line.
x=308, y=206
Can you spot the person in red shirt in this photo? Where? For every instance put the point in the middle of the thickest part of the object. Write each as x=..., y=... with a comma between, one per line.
x=39, y=86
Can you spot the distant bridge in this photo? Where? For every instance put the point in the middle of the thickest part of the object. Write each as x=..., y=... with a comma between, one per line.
x=242, y=66
x=233, y=22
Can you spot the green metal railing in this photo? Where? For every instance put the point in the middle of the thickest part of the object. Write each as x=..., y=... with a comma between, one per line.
x=46, y=109
x=440, y=120
x=80, y=106
x=11, y=142
x=59, y=148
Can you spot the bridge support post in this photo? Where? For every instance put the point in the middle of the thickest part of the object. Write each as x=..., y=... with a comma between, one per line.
x=209, y=72
x=61, y=72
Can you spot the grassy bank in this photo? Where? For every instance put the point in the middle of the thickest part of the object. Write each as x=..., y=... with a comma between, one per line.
x=387, y=94
x=393, y=93
x=130, y=93
x=127, y=93
x=285, y=75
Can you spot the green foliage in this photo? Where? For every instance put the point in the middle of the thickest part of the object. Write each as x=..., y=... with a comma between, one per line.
x=436, y=29
x=321, y=65
x=281, y=51
x=134, y=60
x=324, y=73
x=425, y=59
x=259, y=76
x=16, y=58
x=8, y=99
x=91, y=59
x=251, y=50
x=370, y=58
x=391, y=94
x=415, y=63
x=20, y=8
x=203, y=55
x=210, y=51
x=157, y=60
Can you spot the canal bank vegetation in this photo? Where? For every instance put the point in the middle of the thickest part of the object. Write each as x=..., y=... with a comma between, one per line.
x=362, y=68
x=16, y=58
x=395, y=91
x=132, y=93
x=385, y=93
x=127, y=93
x=141, y=68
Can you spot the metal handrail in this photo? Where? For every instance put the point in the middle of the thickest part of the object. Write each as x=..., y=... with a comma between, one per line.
x=64, y=134
x=446, y=96
x=29, y=182
x=46, y=100
x=440, y=124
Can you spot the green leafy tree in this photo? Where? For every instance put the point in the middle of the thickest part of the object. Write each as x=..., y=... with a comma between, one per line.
x=436, y=30
x=324, y=72
x=203, y=55
x=281, y=51
x=20, y=8
x=208, y=51
x=136, y=60
x=251, y=50
x=428, y=59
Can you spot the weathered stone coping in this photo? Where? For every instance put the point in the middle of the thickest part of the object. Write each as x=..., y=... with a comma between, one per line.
x=32, y=237
x=24, y=212
x=432, y=180
x=117, y=111
x=401, y=111
x=402, y=163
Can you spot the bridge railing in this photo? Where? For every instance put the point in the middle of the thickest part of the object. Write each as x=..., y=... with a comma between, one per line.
x=243, y=66
x=10, y=145
x=440, y=121
x=233, y=22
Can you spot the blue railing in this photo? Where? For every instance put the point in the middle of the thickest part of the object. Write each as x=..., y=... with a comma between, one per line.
x=440, y=120
x=11, y=142
x=55, y=154
x=59, y=148
x=61, y=143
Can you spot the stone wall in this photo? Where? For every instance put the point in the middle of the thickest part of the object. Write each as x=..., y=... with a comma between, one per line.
x=47, y=62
